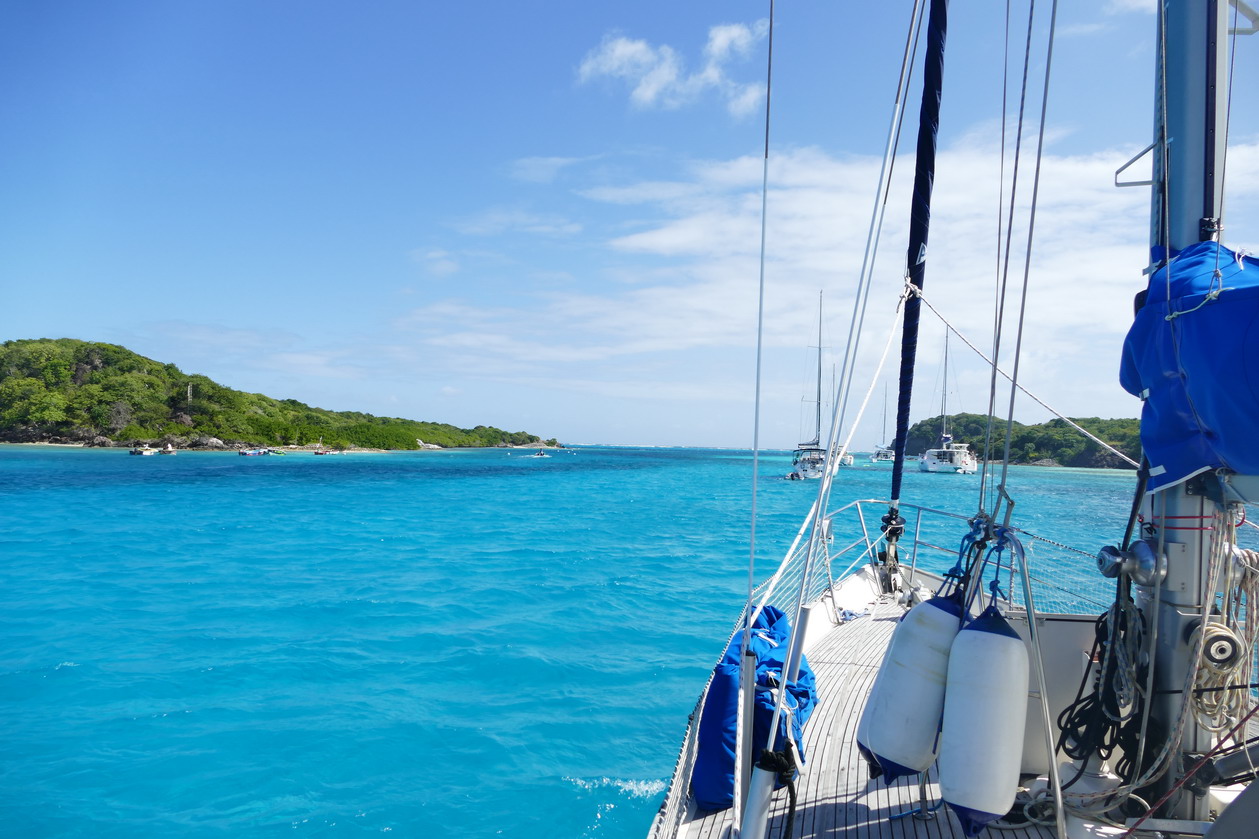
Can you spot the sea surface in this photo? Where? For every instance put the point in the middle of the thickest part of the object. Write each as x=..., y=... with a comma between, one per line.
x=430, y=644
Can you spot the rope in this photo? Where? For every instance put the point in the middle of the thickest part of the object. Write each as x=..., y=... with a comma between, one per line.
x=1206, y=757
x=1223, y=693
x=1093, y=724
x=1107, y=446
x=878, y=373
x=783, y=765
x=865, y=279
x=1108, y=799
x=1210, y=297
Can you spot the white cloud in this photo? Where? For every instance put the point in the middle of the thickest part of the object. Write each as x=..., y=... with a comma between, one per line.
x=439, y=263
x=1082, y=30
x=498, y=221
x=657, y=75
x=679, y=319
x=315, y=364
x=1122, y=6
x=542, y=170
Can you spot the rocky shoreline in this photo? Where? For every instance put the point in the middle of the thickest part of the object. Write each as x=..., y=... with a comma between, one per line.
x=205, y=443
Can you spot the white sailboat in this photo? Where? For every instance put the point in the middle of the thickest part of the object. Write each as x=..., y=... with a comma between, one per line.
x=991, y=687
x=947, y=456
x=885, y=453
x=808, y=462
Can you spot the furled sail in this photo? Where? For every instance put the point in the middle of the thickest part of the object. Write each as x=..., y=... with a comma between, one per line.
x=1192, y=355
x=919, y=223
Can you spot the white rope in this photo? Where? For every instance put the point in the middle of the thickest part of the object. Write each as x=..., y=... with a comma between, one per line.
x=874, y=380
x=1220, y=707
x=1107, y=446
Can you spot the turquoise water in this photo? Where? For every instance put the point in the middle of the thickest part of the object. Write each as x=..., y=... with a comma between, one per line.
x=431, y=644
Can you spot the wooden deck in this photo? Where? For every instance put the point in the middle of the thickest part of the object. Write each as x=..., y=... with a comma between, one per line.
x=836, y=797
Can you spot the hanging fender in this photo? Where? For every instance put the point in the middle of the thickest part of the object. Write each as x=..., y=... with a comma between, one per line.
x=897, y=731
x=985, y=711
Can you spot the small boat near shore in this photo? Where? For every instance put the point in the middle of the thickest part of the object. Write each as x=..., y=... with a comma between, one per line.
x=948, y=456
x=144, y=450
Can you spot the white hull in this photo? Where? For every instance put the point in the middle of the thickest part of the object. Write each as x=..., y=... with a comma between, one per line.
x=954, y=459
x=809, y=464
x=883, y=454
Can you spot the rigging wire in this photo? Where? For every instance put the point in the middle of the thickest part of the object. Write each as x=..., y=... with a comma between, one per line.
x=817, y=514
x=1099, y=441
x=865, y=280
x=1027, y=256
x=1002, y=255
x=756, y=409
x=866, y=276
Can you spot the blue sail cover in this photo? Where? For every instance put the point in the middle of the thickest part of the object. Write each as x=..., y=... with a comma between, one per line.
x=712, y=778
x=1198, y=372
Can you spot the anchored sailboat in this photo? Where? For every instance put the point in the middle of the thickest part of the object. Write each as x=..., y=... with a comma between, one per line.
x=947, y=456
x=809, y=460
x=912, y=677
x=884, y=453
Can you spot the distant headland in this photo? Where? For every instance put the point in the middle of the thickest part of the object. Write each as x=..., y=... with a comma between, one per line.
x=80, y=392
x=1052, y=443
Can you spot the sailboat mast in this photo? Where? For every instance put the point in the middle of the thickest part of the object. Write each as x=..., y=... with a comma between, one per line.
x=1186, y=207
x=883, y=439
x=817, y=424
x=919, y=222
x=1190, y=98
x=944, y=392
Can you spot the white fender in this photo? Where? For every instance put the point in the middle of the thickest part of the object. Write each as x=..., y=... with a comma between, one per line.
x=897, y=732
x=985, y=710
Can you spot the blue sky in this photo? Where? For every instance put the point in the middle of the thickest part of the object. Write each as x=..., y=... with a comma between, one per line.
x=545, y=216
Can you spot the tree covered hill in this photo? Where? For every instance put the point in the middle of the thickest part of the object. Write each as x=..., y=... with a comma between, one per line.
x=80, y=391
x=1053, y=440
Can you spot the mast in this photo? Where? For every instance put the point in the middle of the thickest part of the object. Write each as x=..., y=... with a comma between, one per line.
x=1189, y=126
x=817, y=424
x=883, y=439
x=916, y=256
x=1189, y=138
x=944, y=393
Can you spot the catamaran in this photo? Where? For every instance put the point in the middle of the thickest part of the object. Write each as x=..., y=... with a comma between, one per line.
x=880, y=685
x=948, y=455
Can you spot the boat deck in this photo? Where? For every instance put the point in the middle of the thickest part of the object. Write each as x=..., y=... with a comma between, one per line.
x=836, y=796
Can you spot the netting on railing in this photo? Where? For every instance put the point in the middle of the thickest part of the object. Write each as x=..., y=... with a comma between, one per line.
x=1064, y=579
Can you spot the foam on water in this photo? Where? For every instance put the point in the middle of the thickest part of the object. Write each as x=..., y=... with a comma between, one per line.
x=427, y=644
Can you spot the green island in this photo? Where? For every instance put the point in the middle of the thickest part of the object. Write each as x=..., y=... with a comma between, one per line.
x=69, y=391
x=1052, y=443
